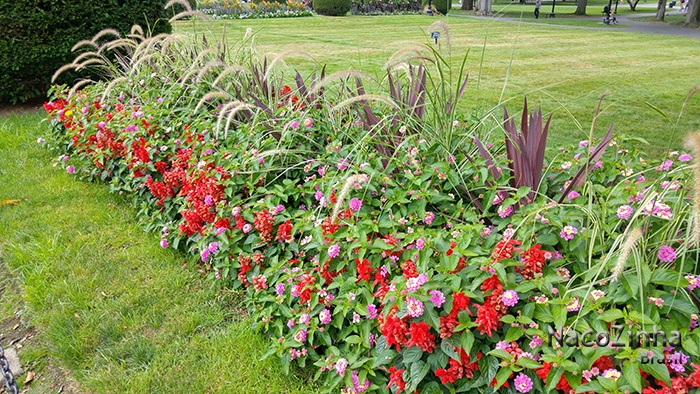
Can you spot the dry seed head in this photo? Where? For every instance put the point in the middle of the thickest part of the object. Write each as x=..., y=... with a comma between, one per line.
x=209, y=66
x=443, y=28
x=209, y=97
x=183, y=3
x=82, y=44
x=111, y=85
x=82, y=56
x=284, y=55
x=364, y=97
x=233, y=113
x=60, y=70
x=105, y=32
x=190, y=13
x=693, y=141
x=340, y=75
x=632, y=238
x=406, y=55
x=343, y=193
x=227, y=71
x=78, y=85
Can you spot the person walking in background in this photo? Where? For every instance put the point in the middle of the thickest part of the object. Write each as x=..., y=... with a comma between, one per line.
x=537, y=9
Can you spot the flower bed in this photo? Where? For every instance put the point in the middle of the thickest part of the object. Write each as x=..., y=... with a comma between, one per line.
x=407, y=253
x=376, y=7
x=235, y=9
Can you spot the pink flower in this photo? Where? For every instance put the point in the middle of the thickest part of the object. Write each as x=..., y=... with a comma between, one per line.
x=509, y=298
x=279, y=289
x=624, y=212
x=504, y=212
x=247, y=227
x=333, y=251
x=573, y=195
x=325, y=316
x=308, y=122
x=657, y=301
x=414, y=307
x=612, y=373
x=304, y=319
x=536, y=341
x=583, y=143
x=340, y=366
x=372, y=310
x=573, y=305
x=70, y=169
x=598, y=164
x=355, y=204
x=666, y=254
x=568, y=233
x=522, y=383
x=428, y=218
x=294, y=125
x=420, y=243
x=685, y=157
x=437, y=298
x=300, y=336
x=163, y=243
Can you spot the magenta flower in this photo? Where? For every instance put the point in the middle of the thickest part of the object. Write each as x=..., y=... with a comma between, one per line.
x=163, y=243
x=70, y=169
x=372, y=310
x=509, y=298
x=325, y=316
x=612, y=373
x=573, y=195
x=340, y=366
x=355, y=204
x=294, y=125
x=359, y=387
x=568, y=232
x=437, y=298
x=333, y=251
x=522, y=383
x=583, y=143
x=536, y=341
x=420, y=243
x=308, y=122
x=414, y=307
x=685, y=157
x=279, y=289
x=667, y=254
x=624, y=212
x=574, y=305
x=504, y=212
x=305, y=319
x=247, y=228
x=300, y=336
x=428, y=218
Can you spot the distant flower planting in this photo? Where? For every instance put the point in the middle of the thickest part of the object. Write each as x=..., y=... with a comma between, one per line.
x=382, y=7
x=236, y=9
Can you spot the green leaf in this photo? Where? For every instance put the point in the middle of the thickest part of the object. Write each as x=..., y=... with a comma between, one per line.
x=527, y=362
x=553, y=378
x=560, y=312
x=611, y=315
x=449, y=349
x=608, y=384
x=501, y=377
x=514, y=333
x=659, y=371
x=501, y=354
x=593, y=386
x=630, y=370
x=418, y=371
x=384, y=357
x=467, y=341
x=412, y=354
x=666, y=277
x=691, y=346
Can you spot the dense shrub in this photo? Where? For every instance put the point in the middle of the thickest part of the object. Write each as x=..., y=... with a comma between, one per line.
x=37, y=37
x=379, y=7
x=442, y=6
x=402, y=252
x=331, y=7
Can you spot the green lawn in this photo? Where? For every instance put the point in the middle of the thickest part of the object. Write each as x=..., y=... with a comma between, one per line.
x=562, y=70
x=122, y=314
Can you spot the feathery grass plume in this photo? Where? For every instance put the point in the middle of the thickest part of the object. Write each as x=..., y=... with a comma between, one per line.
x=136, y=30
x=339, y=75
x=694, y=141
x=82, y=44
x=120, y=43
x=267, y=153
x=134, y=68
x=61, y=70
x=193, y=69
x=207, y=67
x=444, y=29
x=632, y=238
x=88, y=62
x=83, y=55
x=282, y=56
x=103, y=33
x=687, y=99
x=78, y=85
x=190, y=13
x=363, y=97
x=343, y=193
x=111, y=85
x=168, y=41
x=183, y=3
x=209, y=97
x=233, y=113
x=227, y=71
x=407, y=54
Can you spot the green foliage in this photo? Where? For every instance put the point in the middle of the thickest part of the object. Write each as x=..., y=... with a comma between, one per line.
x=38, y=37
x=442, y=6
x=331, y=7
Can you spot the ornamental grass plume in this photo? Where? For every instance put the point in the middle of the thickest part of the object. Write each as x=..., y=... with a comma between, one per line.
x=627, y=247
x=694, y=142
x=343, y=193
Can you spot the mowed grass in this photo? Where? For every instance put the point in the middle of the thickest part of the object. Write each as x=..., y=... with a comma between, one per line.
x=562, y=70
x=106, y=301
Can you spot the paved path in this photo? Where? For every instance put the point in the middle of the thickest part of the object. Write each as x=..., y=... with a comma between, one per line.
x=634, y=26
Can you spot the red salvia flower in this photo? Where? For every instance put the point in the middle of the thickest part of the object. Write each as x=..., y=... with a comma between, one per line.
x=533, y=260
x=364, y=270
x=263, y=223
x=396, y=379
x=421, y=337
x=409, y=269
x=284, y=232
x=395, y=330
x=504, y=249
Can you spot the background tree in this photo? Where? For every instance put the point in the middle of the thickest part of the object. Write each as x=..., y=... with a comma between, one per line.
x=661, y=10
x=484, y=7
x=581, y=7
x=693, y=12
x=467, y=5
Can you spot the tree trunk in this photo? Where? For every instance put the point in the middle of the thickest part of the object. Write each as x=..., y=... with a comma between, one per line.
x=581, y=7
x=633, y=6
x=693, y=12
x=485, y=7
x=661, y=10
x=467, y=5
